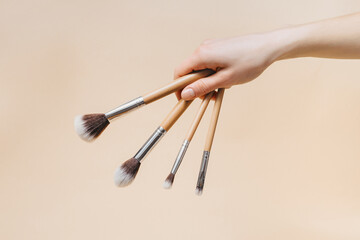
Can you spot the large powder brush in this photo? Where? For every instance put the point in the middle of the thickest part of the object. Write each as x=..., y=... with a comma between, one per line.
x=90, y=126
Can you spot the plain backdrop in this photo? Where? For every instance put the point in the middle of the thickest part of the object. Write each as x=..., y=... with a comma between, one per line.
x=285, y=159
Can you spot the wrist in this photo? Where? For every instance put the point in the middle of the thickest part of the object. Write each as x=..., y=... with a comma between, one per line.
x=291, y=42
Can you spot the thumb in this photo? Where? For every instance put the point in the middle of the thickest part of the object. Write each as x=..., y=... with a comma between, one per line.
x=201, y=87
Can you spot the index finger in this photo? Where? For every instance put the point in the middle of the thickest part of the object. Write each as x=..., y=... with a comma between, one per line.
x=191, y=64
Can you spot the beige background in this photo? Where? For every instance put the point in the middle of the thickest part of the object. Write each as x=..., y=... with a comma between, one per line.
x=285, y=161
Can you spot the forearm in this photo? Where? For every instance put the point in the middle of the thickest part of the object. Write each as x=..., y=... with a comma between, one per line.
x=241, y=59
x=332, y=38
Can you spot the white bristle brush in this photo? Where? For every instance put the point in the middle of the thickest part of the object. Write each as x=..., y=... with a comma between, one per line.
x=209, y=141
x=126, y=173
x=90, y=126
x=170, y=178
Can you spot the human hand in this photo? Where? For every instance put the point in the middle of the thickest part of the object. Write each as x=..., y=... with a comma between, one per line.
x=236, y=60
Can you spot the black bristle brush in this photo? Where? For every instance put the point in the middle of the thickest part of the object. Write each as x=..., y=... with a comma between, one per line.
x=90, y=126
x=209, y=141
x=126, y=173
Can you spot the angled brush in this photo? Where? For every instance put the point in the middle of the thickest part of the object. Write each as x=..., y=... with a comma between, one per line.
x=90, y=126
x=126, y=173
x=209, y=141
x=170, y=178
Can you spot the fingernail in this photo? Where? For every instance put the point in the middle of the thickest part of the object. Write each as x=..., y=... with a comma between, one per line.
x=187, y=93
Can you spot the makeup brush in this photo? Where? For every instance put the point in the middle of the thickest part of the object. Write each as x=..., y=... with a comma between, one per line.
x=209, y=141
x=90, y=126
x=126, y=173
x=170, y=178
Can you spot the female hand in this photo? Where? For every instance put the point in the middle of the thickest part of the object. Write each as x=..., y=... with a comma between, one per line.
x=236, y=60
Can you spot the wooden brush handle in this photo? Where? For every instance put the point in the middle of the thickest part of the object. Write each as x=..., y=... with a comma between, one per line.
x=178, y=84
x=175, y=113
x=199, y=115
x=214, y=119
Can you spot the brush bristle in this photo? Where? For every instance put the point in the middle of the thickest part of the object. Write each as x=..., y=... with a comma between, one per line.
x=169, y=181
x=200, y=183
x=126, y=173
x=198, y=191
x=90, y=126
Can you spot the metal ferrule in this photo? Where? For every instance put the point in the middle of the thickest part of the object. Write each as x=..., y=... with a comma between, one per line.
x=126, y=107
x=203, y=168
x=150, y=143
x=180, y=156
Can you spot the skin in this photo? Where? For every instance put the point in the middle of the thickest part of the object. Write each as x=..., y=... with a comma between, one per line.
x=241, y=59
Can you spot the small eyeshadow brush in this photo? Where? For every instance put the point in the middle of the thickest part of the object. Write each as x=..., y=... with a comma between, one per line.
x=126, y=173
x=209, y=141
x=170, y=178
x=90, y=126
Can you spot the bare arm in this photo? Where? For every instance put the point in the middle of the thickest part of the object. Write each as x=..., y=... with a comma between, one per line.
x=333, y=38
x=241, y=59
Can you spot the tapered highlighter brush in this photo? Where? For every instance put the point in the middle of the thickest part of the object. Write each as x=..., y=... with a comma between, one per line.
x=90, y=126
x=209, y=141
x=170, y=178
x=126, y=173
